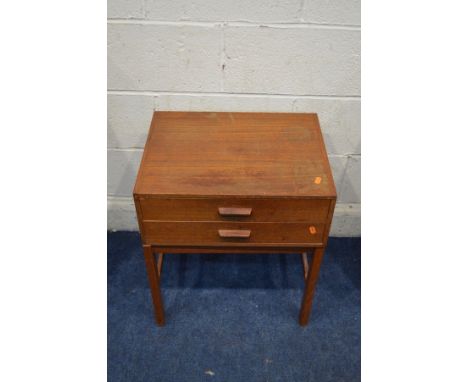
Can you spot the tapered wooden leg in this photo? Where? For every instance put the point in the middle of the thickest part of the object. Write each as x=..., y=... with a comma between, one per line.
x=153, y=276
x=160, y=262
x=305, y=264
x=309, y=290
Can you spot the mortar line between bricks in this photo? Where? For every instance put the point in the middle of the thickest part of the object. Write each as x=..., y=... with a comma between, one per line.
x=339, y=205
x=154, y=93
x=249, y=24
x=119, y=197
x=139, y=149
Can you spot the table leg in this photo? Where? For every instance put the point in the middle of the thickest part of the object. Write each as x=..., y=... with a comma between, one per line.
x=305, y=264
x=160, y=262
x=311, y=281
x=153, y=276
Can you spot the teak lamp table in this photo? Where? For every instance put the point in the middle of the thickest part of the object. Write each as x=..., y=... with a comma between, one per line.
x=234, y=182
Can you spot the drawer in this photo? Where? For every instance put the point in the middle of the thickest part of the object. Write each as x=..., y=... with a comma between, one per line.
x=224, y=209
x=233, y=234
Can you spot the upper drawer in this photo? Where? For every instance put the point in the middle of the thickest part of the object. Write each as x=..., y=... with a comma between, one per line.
x=222, y=209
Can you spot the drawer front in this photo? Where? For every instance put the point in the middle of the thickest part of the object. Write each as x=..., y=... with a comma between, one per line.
x=248, y=210
x=233, y=234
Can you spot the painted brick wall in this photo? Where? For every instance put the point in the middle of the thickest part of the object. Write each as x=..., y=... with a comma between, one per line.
x=243, y=55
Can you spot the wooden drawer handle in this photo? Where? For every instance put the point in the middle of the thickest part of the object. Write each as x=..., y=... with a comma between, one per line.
x=234, y=211
x=234, y=233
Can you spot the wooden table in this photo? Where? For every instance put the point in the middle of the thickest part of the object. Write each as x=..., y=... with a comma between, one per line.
x=234, y=182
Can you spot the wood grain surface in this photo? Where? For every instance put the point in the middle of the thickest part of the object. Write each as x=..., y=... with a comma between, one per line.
x=242, y=154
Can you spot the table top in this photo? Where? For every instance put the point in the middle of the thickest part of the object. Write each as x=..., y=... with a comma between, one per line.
x=235, y=154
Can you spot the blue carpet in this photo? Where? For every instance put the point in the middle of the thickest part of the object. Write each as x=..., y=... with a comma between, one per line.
x=233, y=317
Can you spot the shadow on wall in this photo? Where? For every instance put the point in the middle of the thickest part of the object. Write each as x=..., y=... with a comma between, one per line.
x=351, y=185
x=122, y=167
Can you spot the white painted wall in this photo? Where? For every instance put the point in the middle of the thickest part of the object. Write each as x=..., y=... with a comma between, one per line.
x=243, y=55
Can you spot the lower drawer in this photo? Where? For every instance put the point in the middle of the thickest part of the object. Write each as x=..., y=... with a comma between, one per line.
x=232, y=234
